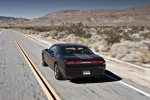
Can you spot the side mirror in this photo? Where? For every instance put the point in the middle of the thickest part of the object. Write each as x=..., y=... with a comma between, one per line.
x=46, y=49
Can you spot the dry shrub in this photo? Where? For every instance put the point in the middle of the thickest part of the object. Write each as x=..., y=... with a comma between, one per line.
x=73, y=39
x=119, y=50
x=145, y=35
x=132, y=57
x=132, y=51
x=78, y=40
x=78, y=30
x=145, y=56
x=99, y=46
x=95, y=47
x=45, y=34
x=103, y=46
x=69, y=38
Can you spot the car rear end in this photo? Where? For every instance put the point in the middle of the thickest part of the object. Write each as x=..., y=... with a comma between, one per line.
x=80, y=61
x=84, y=67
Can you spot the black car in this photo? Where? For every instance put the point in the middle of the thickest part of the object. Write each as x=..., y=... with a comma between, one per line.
x=72, y=61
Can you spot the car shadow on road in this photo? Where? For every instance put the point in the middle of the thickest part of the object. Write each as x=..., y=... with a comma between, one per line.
x=106, y=77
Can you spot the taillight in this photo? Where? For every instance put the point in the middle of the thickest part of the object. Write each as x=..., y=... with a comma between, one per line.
x=84, y=62
x=77, y=62
x=97, y=62
x=100, y=62
x=94, y=62
x=73, y=62
x=70, y=62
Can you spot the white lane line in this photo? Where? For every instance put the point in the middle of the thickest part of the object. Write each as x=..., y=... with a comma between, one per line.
x=35, y=40
x=138, y=90
x=32, y=39
x=2, y=31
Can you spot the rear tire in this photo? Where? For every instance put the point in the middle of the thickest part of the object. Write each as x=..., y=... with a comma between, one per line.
x=57, y=73
x=44, y=63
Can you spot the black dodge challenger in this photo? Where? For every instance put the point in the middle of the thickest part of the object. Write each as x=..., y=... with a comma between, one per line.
x=72, y=61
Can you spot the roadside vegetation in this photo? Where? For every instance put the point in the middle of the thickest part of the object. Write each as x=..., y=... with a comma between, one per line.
x=127, y=43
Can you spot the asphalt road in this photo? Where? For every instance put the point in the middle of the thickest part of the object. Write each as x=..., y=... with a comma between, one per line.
x=18, y=82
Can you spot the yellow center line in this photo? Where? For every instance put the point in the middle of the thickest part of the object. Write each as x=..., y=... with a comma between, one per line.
x=49, y=91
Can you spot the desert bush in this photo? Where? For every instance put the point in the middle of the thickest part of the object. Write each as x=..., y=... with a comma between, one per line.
x=119, y=50
x=77, y=30
x=142, y=28
x=53, y=37
x=94, y=46
x=45, y=34
x=148, y=28
x=61, y=35
x=135, y=29
x=131, y=51
x=145, y=35
x=126, y=36
x=112, y=37
x=58, y=28
x=145, y=56
x=72, y=39
x=39, y=28
x=102, y=46
x=117, y=29
x=27, y=28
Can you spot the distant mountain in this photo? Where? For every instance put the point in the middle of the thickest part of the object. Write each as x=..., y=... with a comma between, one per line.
x=100, y=17
x=7, y=21
x=131, y=16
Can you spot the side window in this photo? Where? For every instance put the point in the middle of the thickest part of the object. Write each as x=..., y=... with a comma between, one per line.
x=54, y=49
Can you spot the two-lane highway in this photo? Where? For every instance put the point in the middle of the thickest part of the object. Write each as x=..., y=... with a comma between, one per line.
x=17, y=76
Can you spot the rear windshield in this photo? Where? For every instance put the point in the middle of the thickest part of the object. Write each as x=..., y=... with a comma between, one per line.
x=76, y=50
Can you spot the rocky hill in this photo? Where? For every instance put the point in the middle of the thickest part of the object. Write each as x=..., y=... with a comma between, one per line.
x=131, y=16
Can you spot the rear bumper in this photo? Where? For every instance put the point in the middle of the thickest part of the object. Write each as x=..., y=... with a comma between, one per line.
x=74, y=72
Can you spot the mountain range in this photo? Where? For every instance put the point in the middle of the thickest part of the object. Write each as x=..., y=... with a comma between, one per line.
x=100, y=17
x=7, y=21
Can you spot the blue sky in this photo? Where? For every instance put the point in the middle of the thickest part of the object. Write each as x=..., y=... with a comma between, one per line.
x=37, y=8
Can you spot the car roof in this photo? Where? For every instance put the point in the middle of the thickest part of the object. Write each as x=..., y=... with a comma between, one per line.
x=68, y=44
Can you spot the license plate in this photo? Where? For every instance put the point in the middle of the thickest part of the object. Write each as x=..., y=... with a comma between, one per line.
x=86, y=72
